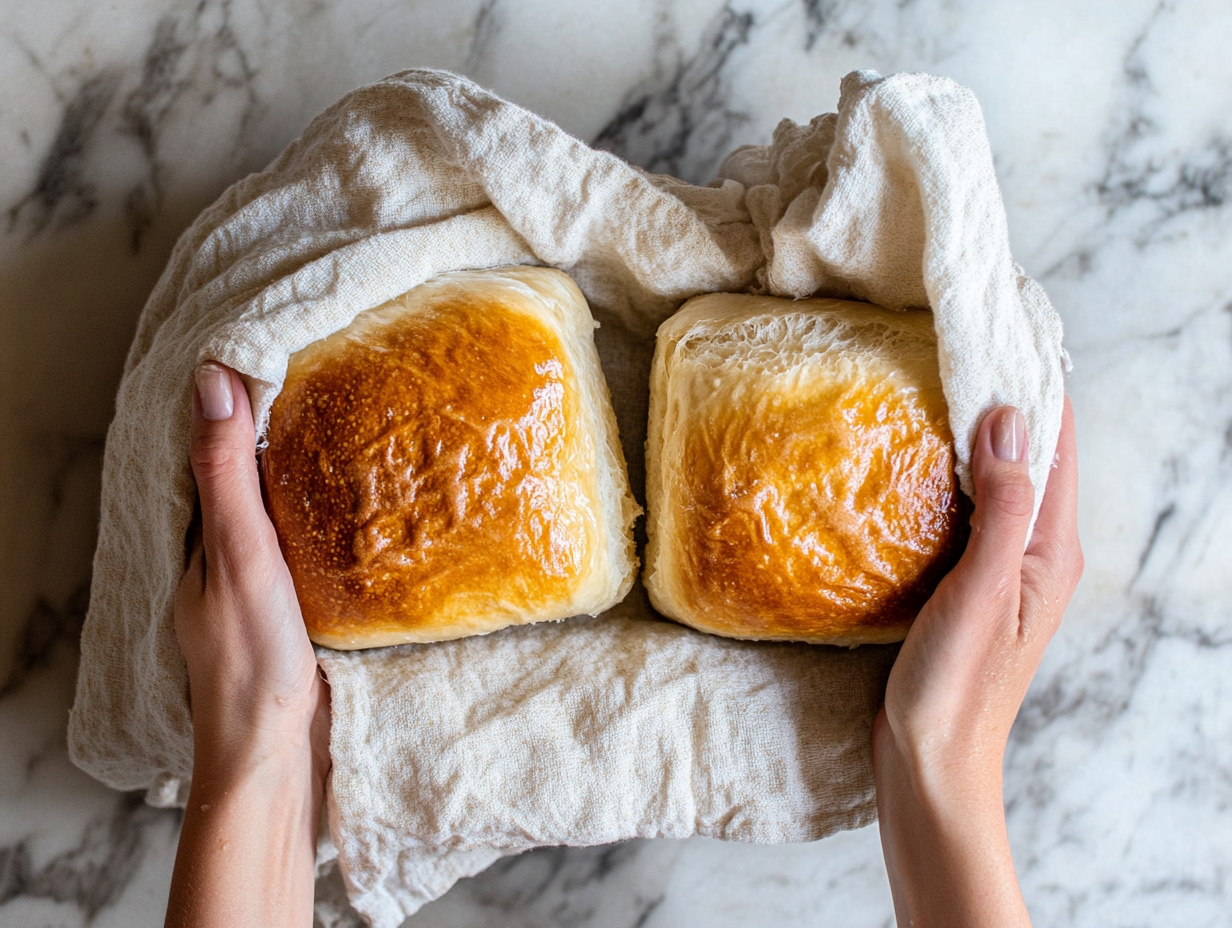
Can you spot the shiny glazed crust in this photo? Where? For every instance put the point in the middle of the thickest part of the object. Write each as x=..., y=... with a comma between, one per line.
x=448, y=465
x=800, y=480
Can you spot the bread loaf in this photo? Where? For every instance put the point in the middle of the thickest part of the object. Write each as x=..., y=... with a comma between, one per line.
x=448, y=465
x=800, y=478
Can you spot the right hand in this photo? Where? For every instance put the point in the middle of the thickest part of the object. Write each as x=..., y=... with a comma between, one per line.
x=960, y=678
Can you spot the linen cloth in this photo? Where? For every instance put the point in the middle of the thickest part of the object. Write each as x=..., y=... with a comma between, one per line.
x=449, y=756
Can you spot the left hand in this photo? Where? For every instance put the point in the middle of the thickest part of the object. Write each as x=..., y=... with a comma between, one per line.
x=260, y=708
x=251, y=668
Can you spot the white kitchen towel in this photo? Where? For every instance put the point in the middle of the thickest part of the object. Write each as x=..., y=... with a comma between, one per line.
x=448, y=756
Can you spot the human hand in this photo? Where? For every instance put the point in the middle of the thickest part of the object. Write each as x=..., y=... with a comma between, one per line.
x=260, y=708
x=251, y=668
x=958, y=683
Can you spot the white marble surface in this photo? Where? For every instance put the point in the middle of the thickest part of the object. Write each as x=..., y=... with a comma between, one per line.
x=1112, y=128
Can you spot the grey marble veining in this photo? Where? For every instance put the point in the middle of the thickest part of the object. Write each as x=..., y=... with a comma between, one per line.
x=1112, y=133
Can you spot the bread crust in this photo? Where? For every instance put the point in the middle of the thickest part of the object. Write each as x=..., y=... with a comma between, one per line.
x=800, y=481
x=448, y=465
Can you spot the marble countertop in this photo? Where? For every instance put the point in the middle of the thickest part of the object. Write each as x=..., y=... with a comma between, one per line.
x=1112, y=130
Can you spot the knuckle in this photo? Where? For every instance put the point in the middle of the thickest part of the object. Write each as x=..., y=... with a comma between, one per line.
x=213, y=458
x=1010, y=494
x=1077, y=564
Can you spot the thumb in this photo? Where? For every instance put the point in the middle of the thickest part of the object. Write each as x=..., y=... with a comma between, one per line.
x=1004, y=501
x=223, y=455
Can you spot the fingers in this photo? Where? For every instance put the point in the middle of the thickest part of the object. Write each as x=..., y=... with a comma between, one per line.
x=1054, y=562
x=1004, y=500
x=223, y=459
x=1056, y=529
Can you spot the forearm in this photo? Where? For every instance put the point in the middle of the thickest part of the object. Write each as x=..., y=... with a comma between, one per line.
x=946, y=847
x=248, y=842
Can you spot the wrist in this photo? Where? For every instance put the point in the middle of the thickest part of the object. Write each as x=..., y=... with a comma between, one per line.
x=953, y=785
x=944, y=836
x=948, y=767
x=249, y=835
x=233, y=739
x=225, y=757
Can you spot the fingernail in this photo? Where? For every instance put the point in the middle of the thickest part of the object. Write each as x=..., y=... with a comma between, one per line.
x=214, y=388
x=1009, y=435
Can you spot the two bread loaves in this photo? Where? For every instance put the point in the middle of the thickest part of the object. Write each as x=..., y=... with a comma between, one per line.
x=449, y=464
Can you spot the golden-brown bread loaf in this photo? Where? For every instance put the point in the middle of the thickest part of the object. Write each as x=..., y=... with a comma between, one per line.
x=799, y=462
x=448, y=465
